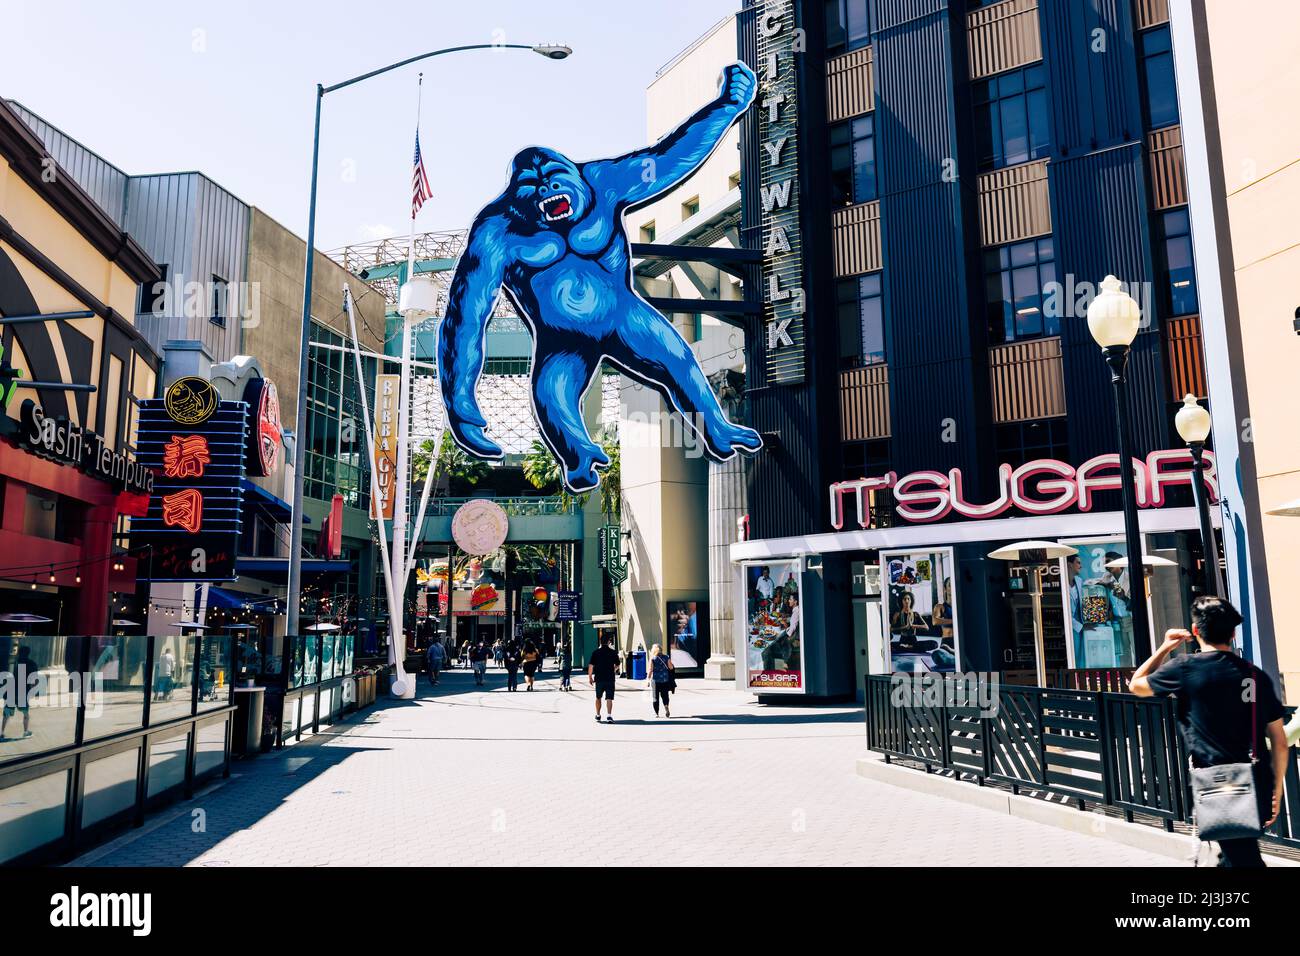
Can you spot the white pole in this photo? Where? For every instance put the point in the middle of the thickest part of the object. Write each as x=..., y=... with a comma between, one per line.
x=424, y=502
x=370, y=443
x=403, y=687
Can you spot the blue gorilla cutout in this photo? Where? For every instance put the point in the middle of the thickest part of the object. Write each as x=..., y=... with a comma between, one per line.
x=555, y=243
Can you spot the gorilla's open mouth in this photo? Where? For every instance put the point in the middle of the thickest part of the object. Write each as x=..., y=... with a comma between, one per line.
x=555, y=208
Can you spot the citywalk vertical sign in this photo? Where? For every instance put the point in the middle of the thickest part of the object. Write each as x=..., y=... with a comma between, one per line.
x=779, y=41
x=387, y=390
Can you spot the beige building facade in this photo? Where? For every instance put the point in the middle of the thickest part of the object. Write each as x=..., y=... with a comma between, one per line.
x=1239, y=78
x=665, y=476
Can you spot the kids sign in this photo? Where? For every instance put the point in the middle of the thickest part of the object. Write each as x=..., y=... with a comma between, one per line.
x=1043, y=486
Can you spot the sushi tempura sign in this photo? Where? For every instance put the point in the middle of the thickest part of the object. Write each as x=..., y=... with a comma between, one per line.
x=385, y=451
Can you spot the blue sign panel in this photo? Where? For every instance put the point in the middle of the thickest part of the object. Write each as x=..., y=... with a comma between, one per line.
x=570, y=604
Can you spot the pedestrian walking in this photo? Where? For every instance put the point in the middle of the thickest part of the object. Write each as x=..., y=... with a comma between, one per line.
x=478, y=656
x=1226, y=709
x=662, y=679
x=499, y=653
x=531, y=657
x=601, y=671
x=164, y=683
x=566, y=666
x=437, y=658
x=512, y=665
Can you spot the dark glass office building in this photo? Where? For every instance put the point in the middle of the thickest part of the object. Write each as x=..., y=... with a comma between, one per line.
x=940, y=187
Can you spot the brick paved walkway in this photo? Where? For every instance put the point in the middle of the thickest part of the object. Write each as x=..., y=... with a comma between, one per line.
x=470, y=776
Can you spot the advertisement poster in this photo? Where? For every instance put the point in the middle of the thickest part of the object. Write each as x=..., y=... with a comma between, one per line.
x=1098, y=605
x=921, y=610
x=688, y=633
x=482, y=599
x=773, y=632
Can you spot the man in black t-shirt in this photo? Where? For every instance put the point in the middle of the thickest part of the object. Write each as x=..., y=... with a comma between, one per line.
x=600, y=671
x=1226, y=708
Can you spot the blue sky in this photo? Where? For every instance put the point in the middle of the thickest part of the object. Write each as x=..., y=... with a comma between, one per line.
x=228, y=88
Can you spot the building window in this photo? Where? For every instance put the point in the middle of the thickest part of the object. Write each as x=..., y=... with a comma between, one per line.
x=1016, y=281
x=1020, y=442
x=1160, y=107
x=859, y=304
x=690, y=207
x=648, y=232
x=1182, y=298
x=848, y=25
x=220, y=301
x=336, y=452
x=853, y=161
x=153, y=295
x=1011, y=118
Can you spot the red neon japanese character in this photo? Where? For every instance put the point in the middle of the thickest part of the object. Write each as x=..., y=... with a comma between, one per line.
x=183, y=510
x=186, y=457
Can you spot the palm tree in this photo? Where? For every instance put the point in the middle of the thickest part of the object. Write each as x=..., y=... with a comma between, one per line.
x=452, y=465
x=543, y=472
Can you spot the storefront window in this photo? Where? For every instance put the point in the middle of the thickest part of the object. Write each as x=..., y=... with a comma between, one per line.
x=1160, y=106
x=1011, y=118
x=115, y=698
x=1177, y=228
x=215, y=672
x=1099, y=605
x=1017, y=279
x=862, y=321
x=39, y=711
x=173, y=677
x=773, y=627
x=921, y=610
x=336, y=442
x=848, y=25
x=853, y=161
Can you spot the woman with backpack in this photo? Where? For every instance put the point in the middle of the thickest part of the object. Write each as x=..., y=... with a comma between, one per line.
x=531, y=657
x=662, y=680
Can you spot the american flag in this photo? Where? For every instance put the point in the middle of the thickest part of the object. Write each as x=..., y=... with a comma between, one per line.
x=420, y=190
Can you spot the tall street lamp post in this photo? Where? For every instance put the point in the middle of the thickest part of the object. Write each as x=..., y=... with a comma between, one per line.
x=1113, y=319
x=1193, y=424
x=550, y=51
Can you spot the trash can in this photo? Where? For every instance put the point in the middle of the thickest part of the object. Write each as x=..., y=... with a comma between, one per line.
x=638, y=665
x=247, y=736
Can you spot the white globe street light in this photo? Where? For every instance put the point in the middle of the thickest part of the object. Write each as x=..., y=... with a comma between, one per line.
x=1192, y=421
x=1193, y=424
x=1114, y=319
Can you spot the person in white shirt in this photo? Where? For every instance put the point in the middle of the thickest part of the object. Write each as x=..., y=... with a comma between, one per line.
x=765, y=587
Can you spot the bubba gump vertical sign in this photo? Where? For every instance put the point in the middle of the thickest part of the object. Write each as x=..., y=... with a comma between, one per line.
x=387, y=389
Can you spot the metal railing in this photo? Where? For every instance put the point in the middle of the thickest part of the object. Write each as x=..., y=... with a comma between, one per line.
x=115, y=725
x=1091, y=747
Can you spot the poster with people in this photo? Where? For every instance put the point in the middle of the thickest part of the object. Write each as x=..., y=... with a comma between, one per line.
x=773, y=629
x=921, y=611
x=1098, y=605
x=688, y=633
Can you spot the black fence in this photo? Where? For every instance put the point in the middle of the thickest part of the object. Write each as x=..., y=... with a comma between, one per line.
x=99, y=729
x=1090, y=747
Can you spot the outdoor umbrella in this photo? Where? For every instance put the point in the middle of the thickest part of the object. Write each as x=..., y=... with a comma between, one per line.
x=1036, y=554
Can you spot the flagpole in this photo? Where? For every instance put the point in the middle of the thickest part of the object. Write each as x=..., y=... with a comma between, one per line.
x=403, y=684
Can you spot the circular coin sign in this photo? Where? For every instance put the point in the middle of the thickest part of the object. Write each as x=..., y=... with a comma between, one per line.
x=190, y=400
x=480, y=526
